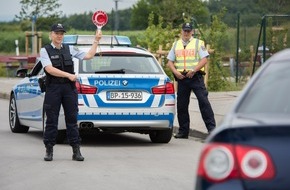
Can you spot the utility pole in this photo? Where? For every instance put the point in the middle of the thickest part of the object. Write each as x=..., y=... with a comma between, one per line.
x=116, y=16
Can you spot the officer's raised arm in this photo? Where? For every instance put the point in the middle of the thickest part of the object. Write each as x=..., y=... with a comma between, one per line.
x=91, y=53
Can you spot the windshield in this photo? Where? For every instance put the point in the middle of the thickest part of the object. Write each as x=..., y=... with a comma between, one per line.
x=130, y=64
x=270, y=92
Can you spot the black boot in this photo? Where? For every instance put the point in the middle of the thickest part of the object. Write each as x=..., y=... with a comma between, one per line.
x=49, y=153
x=77, y=153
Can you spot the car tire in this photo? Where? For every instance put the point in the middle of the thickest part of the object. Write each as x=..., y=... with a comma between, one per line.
x=161, y=136
x=14, y=122
x=61, y=134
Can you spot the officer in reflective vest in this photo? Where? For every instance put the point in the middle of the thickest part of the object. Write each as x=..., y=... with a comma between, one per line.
x=56, y=59
x=186, y=60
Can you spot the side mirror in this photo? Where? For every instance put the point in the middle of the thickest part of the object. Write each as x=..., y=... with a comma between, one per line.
x=21, y=73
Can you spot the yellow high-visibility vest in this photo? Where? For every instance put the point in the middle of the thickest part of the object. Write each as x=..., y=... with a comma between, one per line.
x=187, y=58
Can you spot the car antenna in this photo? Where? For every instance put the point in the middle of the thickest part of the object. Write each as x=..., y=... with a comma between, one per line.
x=112, y=40
x=112, y=34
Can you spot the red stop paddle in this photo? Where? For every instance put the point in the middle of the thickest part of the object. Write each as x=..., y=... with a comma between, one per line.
x=100, y=19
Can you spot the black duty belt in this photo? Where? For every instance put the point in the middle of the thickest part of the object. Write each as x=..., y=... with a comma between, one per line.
x=198, y=72
x=59, y=80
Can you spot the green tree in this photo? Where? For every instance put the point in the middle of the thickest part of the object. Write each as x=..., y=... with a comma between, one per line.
x=217, y=38
x=38, y=8
x=275, y=6
x=80, y=22
x=251, y=11
x=157, y=34
x=42, y=12
x=140, y=14
x=172, y=11
x=124, y=19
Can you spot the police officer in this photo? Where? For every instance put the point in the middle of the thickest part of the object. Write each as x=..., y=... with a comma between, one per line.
x=186, y=60
x=56, y=59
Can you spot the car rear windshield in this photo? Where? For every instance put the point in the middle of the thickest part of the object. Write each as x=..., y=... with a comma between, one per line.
x=130, y=64
x=270, y=93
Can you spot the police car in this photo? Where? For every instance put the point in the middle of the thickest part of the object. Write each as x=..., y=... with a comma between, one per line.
x=122, y=89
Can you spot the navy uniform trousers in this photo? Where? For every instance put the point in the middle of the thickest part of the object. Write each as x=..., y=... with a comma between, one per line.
x=185, y=87
x=64, y=94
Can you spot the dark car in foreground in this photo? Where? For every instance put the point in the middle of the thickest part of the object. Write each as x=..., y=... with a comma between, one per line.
x=250, y=150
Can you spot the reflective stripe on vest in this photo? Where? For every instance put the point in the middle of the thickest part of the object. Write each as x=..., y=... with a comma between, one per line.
x=187, y=58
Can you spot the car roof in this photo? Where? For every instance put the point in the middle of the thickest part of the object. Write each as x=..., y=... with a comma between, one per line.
x=280, y=56
x=119, y=50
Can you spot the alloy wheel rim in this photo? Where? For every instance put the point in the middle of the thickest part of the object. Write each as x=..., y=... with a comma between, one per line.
x=12, y=113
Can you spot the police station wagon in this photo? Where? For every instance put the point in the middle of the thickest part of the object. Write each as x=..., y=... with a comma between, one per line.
x=122, y=89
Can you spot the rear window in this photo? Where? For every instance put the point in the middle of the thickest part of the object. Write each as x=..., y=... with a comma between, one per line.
x=271, y=92
x=131, y=64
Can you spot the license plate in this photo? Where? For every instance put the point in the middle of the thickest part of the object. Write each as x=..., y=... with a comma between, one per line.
x=126, y=95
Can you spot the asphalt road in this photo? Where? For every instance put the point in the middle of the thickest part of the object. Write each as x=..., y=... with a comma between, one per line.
x=112, y=162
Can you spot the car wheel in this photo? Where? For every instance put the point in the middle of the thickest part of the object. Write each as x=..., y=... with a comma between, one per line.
x=14, y=122
x=61, y=134
x=161, y=136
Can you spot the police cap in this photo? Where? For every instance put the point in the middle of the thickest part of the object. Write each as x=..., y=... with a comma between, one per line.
x=187, y=26
x=57, y=28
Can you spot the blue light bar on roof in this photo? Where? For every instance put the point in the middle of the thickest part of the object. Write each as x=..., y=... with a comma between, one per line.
x=89, y=39
x=70, y=39
x=124, y=40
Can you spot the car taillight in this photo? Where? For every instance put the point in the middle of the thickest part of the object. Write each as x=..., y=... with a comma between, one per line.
x=219, y=162
x=168, y=88
x=86, y=89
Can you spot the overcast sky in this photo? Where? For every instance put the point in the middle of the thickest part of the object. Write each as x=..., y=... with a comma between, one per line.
x=9, y=8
